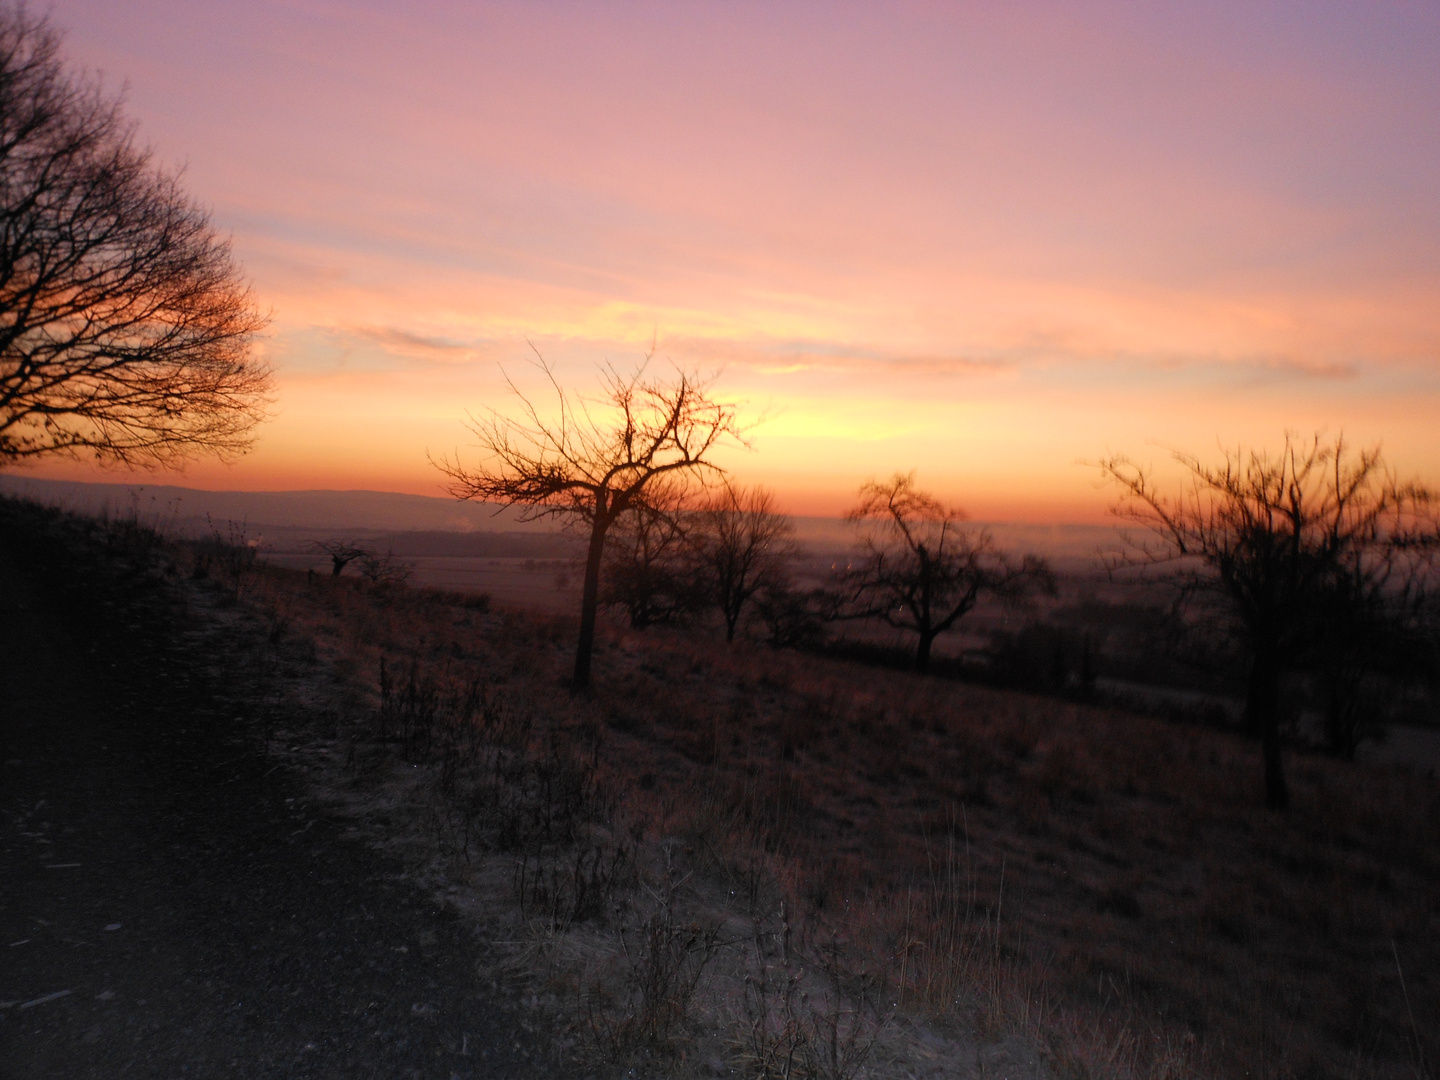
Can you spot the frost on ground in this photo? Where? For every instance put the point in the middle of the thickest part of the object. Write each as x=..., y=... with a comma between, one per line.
x=649, y=945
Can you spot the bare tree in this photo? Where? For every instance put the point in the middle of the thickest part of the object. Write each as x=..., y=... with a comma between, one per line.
x=385, y=569
x=648, y=569
x=1294, y=546
x=342, y=553
x=741, y=546
x=794, y=617
x=594, y=461
x=1377, y=634
x=920, y=569
x=125, y=326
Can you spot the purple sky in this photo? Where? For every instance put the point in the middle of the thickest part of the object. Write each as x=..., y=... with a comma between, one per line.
x=985, y=242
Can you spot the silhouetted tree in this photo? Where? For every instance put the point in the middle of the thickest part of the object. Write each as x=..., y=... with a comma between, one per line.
x=342, y=553
x=125, y=327
x=1377, y=627
x=593, y=462
x=796, y=618
x=1301, y=548
x=648, y=568
x=385, y=569
x=919, y=569
x=741, y=546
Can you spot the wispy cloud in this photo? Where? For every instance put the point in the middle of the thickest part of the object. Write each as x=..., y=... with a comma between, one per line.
x=789, y=357
x=412, y=344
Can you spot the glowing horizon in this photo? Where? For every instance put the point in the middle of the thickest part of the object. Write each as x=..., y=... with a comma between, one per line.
x=983, y=245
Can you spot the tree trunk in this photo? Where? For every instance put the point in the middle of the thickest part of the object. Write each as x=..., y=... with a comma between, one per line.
x=1342, y=709
x=732, y=619
x=589, y=599
x=1277, y=793
x=922, y=652
x=1262, y=717
x=1259, y=691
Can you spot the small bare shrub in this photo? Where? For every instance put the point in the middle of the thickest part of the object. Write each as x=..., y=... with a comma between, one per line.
x=665, y=956
x=805, y=1013
x=385, y=570
x=571, y=887
x=226, y=557
x=409, y=709
x=771, y=1039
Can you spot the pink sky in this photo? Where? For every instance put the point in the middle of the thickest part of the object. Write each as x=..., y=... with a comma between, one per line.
x=985, y=242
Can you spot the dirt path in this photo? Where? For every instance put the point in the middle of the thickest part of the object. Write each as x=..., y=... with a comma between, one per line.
x=168, y=905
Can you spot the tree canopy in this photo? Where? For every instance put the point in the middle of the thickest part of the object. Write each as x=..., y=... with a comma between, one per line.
x=125, y=325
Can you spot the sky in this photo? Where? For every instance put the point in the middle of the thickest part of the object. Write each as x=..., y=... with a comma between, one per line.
x=991, y=243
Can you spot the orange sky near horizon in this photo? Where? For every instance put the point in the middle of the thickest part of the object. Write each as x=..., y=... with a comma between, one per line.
x=987, y=243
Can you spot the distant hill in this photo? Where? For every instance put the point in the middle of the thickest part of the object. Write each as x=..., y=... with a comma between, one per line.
x=385, y=511
x=416, y=525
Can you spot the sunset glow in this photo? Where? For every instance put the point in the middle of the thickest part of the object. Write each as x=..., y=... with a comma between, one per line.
x=990, y=243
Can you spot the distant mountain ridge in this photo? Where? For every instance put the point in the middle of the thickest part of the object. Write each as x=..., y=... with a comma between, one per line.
x=374, y=511
x=291, y=519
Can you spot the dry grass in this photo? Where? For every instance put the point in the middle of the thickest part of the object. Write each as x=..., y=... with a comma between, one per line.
x=784, y=866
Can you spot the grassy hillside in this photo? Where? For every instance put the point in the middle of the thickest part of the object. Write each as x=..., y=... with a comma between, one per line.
x=737, y=861
x=982, y=868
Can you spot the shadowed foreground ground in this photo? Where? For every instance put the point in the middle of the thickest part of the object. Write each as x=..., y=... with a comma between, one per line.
x=168, y=907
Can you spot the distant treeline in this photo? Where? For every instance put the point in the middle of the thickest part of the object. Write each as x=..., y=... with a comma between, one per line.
x=434, y=543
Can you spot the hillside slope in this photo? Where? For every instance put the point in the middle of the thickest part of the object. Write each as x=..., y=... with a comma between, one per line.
x=173, y=901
